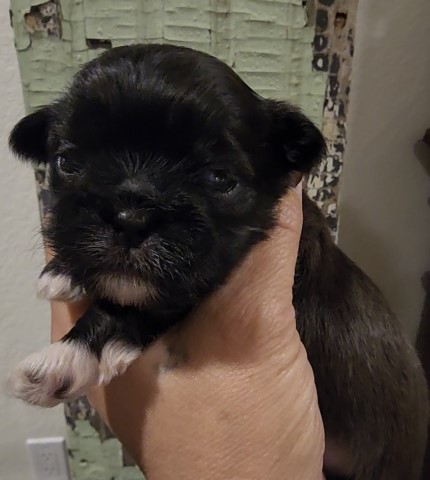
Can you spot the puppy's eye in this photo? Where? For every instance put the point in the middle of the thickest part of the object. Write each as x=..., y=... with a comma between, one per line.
x=66, y=167
x=221, y=181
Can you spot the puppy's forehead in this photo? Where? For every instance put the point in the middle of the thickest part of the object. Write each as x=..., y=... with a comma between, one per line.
x=149, y=121
x=160, y=101
x=155, y=94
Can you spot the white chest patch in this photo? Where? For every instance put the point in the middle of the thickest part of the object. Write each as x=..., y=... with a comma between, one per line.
x=126, y=291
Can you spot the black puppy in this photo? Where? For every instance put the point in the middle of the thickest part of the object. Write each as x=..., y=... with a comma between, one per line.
x=165, y=169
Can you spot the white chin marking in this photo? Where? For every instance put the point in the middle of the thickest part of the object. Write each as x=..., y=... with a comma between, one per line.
x=66, y=370
x=117, y=356
x=126, y=291
x=62, y=371
x=58, y=287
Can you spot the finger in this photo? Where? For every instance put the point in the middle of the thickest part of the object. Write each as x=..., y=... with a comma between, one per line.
x=289, y=212
x=271, y=263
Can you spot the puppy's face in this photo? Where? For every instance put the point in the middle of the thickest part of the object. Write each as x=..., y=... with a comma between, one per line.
x=165, y=169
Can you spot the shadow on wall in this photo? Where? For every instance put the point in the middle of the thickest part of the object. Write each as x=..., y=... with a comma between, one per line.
x=422, y=345
x=422, y=152
x=377, y=248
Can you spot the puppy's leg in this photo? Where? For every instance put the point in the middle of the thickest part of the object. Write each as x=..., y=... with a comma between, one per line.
x=98, y=348
x=55, y=283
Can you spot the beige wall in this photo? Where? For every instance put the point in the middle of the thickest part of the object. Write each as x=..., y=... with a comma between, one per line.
x=384, y=215
x=24, y=321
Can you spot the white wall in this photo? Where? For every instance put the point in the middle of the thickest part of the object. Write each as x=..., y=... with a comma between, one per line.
x=24, y=321
x=384, y=215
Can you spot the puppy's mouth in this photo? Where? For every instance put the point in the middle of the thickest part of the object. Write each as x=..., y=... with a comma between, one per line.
x=132, y=249
x=130, y=240
x=130, y=263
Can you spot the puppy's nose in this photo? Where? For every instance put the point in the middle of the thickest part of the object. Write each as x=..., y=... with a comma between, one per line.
x=130, y=219
x=131, y=226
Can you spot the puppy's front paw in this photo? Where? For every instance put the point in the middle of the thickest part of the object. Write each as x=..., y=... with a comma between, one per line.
x=66, y=370
x=59, y=287
x=116, y=357
x=62, y=371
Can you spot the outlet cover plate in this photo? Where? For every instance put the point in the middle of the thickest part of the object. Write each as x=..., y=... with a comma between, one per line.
x=48, y=458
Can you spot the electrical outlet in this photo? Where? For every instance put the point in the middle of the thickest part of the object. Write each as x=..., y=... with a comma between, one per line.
x=48, y=458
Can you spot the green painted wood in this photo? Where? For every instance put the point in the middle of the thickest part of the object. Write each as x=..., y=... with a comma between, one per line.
x=267, y=42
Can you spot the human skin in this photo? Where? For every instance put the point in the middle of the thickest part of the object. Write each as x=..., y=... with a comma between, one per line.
x=229, y=393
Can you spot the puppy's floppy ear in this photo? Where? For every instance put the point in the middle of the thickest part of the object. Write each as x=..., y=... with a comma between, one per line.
x=295, y=141
x=29, y=137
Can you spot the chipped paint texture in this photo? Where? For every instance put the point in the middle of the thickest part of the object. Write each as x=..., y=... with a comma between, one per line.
x=44, y=19
x=95, y=454
x=333, y=51
x=268, y=43
x=286, y=49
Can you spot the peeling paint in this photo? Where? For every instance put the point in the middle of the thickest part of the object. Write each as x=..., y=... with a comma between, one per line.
x=44, y=18
x=94, y=452
x=268, y=43
x=92, y=459
x=333, y=51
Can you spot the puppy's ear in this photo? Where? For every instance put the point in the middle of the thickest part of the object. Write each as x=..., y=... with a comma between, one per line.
x=296, y=141
x=29, y=137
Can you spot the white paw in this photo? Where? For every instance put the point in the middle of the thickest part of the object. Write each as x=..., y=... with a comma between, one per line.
x=58, y=287
x=62, y=371
x=66, y=370
x=116, y=357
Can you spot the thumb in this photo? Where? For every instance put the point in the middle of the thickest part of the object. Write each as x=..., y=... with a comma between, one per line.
x=267, y=273
x=276, y=257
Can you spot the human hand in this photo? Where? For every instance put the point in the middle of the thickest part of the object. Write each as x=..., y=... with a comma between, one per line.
x=229, y=393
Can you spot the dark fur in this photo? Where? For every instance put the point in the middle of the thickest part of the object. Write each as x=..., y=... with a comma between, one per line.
x=143, y=129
